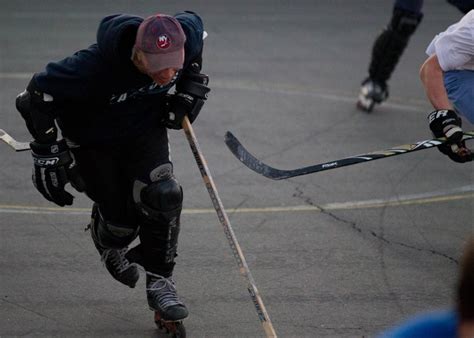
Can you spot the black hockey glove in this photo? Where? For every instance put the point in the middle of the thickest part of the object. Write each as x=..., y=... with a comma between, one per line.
x=54, y=167
x=446, y=123
x=191, y=92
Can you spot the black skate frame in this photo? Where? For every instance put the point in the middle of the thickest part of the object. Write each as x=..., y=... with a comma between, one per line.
x=244, y=156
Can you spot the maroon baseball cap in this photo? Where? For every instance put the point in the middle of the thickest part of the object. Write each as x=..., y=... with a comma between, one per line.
x=161, y=39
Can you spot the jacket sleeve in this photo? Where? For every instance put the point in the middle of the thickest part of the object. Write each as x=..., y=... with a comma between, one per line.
x=193, y=29
x=71, y=81
x=77, y=78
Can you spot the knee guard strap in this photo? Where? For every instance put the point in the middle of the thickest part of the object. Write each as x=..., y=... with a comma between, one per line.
x=110, y=235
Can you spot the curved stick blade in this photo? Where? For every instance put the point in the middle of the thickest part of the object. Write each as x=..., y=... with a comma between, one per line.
x=18, y=146
x=251, y=161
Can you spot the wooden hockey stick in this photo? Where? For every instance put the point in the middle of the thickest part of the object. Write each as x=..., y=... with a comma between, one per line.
x=229, y=232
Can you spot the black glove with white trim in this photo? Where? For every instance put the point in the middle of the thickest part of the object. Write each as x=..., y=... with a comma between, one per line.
x=446, y=123
x=54, y=167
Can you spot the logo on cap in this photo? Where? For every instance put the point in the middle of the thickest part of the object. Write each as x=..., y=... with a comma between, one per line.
x=163, y=41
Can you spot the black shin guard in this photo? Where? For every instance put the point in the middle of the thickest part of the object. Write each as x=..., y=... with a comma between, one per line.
x=391, y=43
x=159, y=205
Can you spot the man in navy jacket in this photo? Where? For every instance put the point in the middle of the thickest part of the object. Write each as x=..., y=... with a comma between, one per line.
x=112, y=107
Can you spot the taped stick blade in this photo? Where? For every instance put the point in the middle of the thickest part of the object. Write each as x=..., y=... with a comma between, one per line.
x=17, y=146
x=244, y=156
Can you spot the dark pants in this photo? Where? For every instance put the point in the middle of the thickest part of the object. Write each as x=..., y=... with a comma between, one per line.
x=109, y=172
x=463, y=5
x=416, y=6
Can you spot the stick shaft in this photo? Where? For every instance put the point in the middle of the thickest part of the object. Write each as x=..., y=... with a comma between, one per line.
x=229, y=232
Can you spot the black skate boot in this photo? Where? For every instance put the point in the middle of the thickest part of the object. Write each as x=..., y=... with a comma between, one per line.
x=371, y=93
x=118, y=265
x=163, y=298
x=114, y=259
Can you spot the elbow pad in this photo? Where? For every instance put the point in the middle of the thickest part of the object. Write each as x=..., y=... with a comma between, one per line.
x=37, y=109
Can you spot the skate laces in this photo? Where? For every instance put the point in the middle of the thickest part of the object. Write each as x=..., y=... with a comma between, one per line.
x=116, y=257
x=165, y=291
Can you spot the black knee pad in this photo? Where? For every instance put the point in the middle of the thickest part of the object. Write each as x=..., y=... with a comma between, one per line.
x=161, y=200
x=165, y=197
x=404, y=22
x=110, y=235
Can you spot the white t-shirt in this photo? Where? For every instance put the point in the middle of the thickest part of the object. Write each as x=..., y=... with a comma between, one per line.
x=455, y=46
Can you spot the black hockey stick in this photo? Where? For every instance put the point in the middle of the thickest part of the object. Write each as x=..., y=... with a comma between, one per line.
x=229, y=232
x=278, y=174
x=18, y=146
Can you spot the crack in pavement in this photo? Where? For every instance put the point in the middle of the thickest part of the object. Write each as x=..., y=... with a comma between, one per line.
x=300, y=195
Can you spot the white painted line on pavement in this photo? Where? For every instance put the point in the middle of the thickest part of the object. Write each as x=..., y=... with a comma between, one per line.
x=462, y=193
x=19, y=76
x=285, y=89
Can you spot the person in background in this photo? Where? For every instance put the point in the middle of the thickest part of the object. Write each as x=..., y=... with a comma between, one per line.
x=389, y=46
x=448, y=78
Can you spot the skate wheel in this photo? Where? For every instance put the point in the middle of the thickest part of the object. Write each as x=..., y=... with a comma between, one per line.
x=180, y=330
x=367, y=108
x=174, y=328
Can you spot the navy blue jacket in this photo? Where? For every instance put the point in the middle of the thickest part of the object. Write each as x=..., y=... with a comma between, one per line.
x=99, y=95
